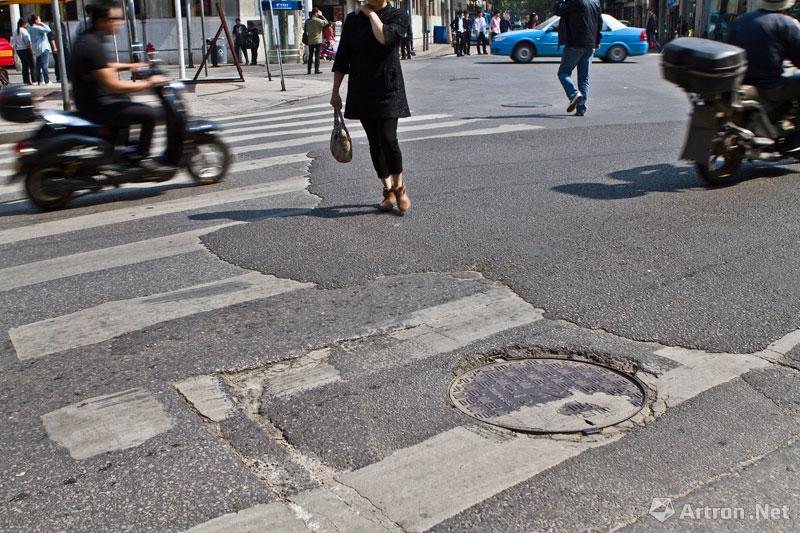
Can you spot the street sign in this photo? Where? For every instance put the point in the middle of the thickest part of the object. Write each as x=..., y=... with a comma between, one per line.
x=281, y=5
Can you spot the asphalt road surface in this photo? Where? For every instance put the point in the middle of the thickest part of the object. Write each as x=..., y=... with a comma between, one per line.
x=271, y=354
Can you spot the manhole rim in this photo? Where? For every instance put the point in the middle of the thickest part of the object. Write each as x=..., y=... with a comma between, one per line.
x=635, y=380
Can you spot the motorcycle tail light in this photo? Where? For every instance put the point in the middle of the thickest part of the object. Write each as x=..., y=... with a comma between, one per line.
x=23, y=148
x=643, y=36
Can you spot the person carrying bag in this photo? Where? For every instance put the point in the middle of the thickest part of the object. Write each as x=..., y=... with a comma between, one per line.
x=376, y=94
x=341, y=144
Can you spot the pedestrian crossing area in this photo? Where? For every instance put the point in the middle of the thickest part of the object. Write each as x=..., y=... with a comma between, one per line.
x=413, y=487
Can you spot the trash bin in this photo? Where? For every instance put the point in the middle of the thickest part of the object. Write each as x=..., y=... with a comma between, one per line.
x=218, y=54
x=440, y=34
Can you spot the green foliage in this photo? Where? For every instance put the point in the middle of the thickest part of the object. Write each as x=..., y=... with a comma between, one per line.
x=523, y=7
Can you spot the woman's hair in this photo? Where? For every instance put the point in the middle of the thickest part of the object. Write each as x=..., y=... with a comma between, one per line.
x=21, y=22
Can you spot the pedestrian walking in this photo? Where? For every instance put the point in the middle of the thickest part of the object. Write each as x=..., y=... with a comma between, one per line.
x=407, y=48
x=651, y=30
x=579, y=33
x=254, y=41
x=376, y=93
x=479, y=25
x=467, y=33
x=40, y=42
x=505, y=22
x=314, y=27
x=458, y=33
x=21, y=41
x=239, y=37
x=494, y=26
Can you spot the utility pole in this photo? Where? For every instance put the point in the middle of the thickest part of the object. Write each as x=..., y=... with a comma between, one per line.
x=189, y=31
x=62, y=65
x=179, y=19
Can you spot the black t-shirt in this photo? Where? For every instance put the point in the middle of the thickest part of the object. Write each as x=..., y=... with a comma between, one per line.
x=89, y=56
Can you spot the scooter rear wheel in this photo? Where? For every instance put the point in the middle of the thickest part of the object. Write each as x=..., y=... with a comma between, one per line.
x=210, y=160
x=43, y=192
x=722, y=165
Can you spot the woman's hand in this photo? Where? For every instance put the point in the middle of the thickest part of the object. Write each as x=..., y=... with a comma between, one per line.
x=336, y=100
x=366, y=9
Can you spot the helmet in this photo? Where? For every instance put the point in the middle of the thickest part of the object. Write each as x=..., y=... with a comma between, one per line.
x=776, y=5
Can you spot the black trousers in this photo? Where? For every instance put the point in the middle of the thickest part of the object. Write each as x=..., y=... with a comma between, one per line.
x=313, y=56
x=466, y=42
x=241, y=51
x=28, y=66
x=125, y=114
x=481, y=42
x=254, y=55
x=787, y=91
x=405, y=47
x=459, y=44
x=383, y=146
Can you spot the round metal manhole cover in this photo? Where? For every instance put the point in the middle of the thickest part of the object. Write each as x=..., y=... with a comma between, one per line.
x=527, y=104
x=548, y=395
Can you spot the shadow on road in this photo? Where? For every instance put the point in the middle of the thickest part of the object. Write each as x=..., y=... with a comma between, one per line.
x=641, y=181
x=254, y=215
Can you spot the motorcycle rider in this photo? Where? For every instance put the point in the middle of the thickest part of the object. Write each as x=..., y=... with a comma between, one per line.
x=769, y=36
x=99, y=94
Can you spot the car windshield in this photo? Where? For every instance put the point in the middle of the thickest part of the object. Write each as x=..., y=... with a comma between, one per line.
x=546, y=23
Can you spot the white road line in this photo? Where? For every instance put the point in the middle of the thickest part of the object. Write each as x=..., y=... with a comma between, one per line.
x=782, y=346
x=700, y=371
x=237, y=167
x=354, y=135
x=421, y=486
x=107, y=423
x=105, y=258
x=112, y=319
x=319, y=129
x=205, y=393
x=505, y=128
x=273, y=124
x=271, y=112
x=266, y=517
x=116, y=216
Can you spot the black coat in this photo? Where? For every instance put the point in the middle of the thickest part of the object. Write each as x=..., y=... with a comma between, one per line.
x=375, y=87
x=581, y=23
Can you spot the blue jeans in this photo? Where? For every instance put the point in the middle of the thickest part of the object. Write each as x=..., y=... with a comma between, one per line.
x=571, y=58
x=42, y=64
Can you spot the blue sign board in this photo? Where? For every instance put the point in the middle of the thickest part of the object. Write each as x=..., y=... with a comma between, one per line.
x=281, y=5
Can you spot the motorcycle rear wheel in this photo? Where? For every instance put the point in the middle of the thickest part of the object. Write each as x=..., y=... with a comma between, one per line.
x=210, y=161
x=43, y=192
x=721, y=168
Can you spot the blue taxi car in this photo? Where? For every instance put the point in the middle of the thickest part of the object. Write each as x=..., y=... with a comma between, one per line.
x=618, y=42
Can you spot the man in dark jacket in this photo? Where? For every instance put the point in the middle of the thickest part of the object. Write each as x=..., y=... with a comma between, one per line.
x=579, y=33
x=239, y=32
x=769, y=37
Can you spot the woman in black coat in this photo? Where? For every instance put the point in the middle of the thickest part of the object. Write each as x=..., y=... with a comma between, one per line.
x=376, y=94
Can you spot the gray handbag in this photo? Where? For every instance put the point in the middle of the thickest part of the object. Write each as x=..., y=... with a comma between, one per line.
x=341, y=145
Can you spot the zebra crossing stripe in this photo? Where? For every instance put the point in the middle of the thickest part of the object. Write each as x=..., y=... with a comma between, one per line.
x=266, y=517
x=290, y=143
x=505, y=128
x=140, y=212
x=112, y=319
x=271, y=113
x=105, y=258
x=107, y=423
x=453, y=471
x=327, y=128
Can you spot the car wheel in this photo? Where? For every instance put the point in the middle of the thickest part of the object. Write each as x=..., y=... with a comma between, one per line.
x=616, y=54
x=523, y=53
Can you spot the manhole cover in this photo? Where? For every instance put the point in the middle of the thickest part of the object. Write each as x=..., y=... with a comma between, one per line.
x=527, y=104
x=547, y=395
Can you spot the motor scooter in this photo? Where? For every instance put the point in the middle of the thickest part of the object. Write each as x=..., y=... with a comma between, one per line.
x=69, y=154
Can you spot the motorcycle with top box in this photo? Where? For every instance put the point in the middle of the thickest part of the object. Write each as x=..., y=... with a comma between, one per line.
x=730, y=123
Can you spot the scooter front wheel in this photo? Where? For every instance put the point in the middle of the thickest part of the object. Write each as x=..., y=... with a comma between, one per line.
x=43, y=188
x=722, y=165
x=209, y=161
